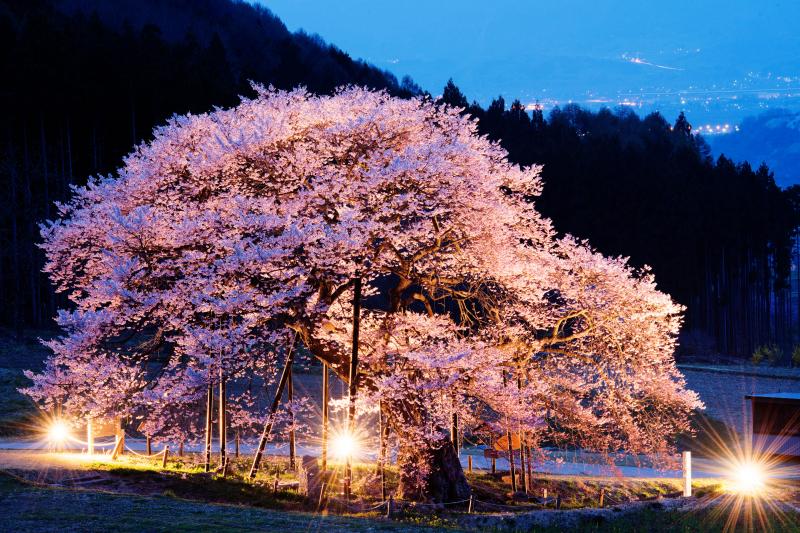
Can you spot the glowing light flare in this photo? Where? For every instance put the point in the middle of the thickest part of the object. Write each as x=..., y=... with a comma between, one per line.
x=749, y=478
x=58, y=432
x=344, y=446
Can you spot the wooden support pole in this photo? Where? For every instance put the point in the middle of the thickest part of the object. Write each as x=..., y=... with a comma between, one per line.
x=223, y=419
x=321, y=495
x=89, y=437
x=271, y=417
x=454, y=434
x=602, y=497
x=290, y=394
x=164, y=459
x=120, y=437
x=117, y=448
x=469, y=464
x=511, y=462
x=148, y=445
x=522, y=473
x=523, y=478
x=209, y=418
x=494, y=461
x=236, y=445
x=382, y=451
x=325, y=398
x=353, y=383
x=180, y=449
x=529, y=464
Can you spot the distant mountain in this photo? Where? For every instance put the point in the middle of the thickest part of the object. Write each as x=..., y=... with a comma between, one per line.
x=257, y=44
x=772, y=137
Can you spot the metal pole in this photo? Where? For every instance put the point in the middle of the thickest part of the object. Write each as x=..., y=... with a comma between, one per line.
x=325, y=398
x=275, y=402
x=353, y=383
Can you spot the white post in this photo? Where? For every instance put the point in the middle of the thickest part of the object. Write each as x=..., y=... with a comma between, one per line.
x=687, y=474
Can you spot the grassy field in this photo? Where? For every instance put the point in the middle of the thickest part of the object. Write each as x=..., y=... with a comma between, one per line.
x=138, y=496
x=36, y=509
x=16, y=356
x=28, y=508
x=705, y=521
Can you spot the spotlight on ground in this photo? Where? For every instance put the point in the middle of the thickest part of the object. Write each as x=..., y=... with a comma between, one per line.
x=748, y=478
x=58, y=432
x=344, y=446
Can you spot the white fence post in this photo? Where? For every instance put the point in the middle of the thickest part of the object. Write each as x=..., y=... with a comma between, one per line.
x=687, y=474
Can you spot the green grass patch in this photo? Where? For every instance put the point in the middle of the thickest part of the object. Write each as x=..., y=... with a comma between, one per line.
x=714, y=520
x=34, y=509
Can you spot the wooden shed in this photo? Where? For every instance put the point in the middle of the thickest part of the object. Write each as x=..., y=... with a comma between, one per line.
x=776, y=424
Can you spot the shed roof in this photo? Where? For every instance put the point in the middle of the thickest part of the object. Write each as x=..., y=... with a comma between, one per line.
x=786, y=396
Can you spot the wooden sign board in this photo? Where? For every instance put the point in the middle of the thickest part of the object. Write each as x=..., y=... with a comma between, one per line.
x=488, y=453
x=105, y=427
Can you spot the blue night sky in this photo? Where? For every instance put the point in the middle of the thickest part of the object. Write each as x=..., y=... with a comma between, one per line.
x=681, y=53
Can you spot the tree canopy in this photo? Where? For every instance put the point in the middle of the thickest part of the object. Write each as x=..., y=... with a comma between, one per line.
x=232, y=228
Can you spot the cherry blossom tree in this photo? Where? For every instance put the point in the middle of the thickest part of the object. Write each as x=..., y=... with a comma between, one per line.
x=234, y=227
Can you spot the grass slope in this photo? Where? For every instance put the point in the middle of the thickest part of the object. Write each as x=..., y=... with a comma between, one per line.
x=28, y=508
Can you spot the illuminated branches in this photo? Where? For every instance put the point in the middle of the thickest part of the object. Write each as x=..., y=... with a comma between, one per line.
x=230, y=227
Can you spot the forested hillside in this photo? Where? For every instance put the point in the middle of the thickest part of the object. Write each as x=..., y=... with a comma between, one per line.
x=718, y=235
x=84, y=81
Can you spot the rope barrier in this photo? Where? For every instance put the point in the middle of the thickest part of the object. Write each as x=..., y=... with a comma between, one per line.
x=134, y=452
x=354, y=508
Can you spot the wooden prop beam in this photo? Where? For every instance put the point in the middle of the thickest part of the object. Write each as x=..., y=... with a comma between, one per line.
x=209, y=413
x=353, y=385
x=262, y=443
x=223, y=418
x=325, y=399
x=290, y=395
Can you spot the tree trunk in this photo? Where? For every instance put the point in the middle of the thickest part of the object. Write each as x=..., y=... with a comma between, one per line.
x=430, y=471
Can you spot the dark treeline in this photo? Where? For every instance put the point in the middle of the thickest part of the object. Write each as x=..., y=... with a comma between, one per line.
x=84, y=81
x=718, y=235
